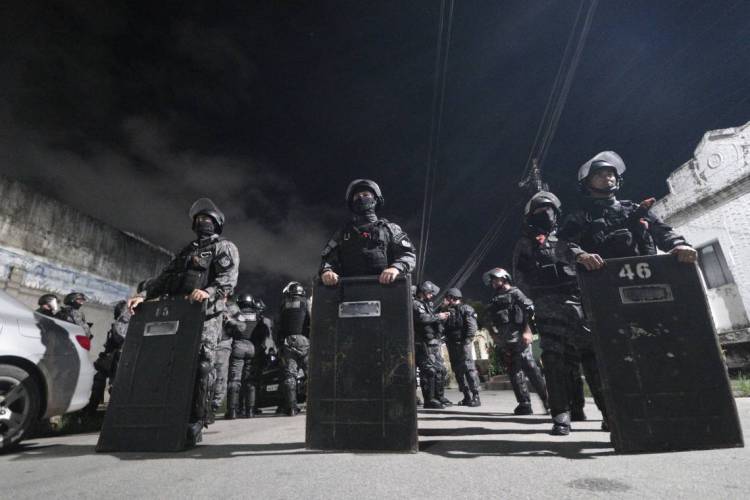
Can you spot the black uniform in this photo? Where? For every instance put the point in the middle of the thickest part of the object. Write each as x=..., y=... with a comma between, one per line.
x=294, y=339
x=221, y=362
x=460, y=329
x=427, y=351
x=510, y=311
x=366, y=246
x=209, y=264
x=565, y=340
x=106, y=363
x=251, y=332
x=74, y=315
x=613, y=228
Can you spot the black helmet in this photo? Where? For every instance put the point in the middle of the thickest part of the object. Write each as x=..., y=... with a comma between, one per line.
x=46, y=299
x=245, y=301
x=540, y=199
x=428, y=287
x=207, y=207
x=294, y=288
x=70, y=299
x=454, y=292
x=366, y=184
x=605, y=159
x=496, y=272
x=120, y=308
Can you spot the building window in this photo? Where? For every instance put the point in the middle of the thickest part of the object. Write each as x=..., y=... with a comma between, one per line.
x=714, y=266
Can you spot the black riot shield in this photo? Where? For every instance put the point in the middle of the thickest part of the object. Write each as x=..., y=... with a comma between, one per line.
x=362, y=381
x=665, y=383
x=153, y=390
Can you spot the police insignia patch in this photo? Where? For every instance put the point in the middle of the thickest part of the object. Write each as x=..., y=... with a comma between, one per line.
x=406, y=243
x=225, y=261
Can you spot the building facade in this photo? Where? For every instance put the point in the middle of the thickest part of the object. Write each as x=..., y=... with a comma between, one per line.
x=709, y=203
x=49, y=247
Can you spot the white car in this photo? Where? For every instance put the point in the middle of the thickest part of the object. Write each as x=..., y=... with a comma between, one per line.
x=44, y=369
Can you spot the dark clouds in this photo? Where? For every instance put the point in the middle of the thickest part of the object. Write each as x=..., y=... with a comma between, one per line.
x=129, y=111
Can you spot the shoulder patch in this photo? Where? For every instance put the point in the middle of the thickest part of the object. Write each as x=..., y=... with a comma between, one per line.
x=224, y=261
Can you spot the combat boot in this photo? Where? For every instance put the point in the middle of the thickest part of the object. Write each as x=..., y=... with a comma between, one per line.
x=440, y=393
x=578, y=415
x=466, y=401
x=561, y=424
x=293, y=410
x=523, y=409
x=428, y=391
x=194, y=434
x=211, y=417
x=232, y=403
x=475, y=401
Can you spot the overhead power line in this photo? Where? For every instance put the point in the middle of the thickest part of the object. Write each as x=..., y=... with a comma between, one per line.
x=445, y=27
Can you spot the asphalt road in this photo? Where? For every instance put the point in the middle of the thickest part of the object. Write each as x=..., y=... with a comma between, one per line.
x=481, y=452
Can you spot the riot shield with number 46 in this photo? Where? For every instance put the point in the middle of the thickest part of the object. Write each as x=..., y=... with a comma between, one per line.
x=665, y=382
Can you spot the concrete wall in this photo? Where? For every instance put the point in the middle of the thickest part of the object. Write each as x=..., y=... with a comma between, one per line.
x=46, y=246
x=709, y=200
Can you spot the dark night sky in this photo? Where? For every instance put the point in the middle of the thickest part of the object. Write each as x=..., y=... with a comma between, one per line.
x=130, y=113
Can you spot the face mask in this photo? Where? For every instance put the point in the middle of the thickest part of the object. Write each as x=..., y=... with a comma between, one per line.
x=543, y=220
x=76, y=305
x=204, y=228
x=363, y=205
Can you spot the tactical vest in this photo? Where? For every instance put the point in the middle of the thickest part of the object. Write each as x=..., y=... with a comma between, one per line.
x=251, y=321
x=505, y=312
x=611, y=232
x=454, y=325
x=194, y=270
x=547, y=270
x=292, y=316
x=425, y=332
x=364, y=251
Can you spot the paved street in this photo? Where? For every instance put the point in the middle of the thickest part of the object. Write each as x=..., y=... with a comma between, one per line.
x=481, y=452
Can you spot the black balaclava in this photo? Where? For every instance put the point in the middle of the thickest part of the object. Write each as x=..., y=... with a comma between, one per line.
x=204, y=229
x=364, y=209
x=544, y=221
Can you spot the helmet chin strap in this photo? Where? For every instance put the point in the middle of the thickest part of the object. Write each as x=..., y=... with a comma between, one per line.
x=610, y=191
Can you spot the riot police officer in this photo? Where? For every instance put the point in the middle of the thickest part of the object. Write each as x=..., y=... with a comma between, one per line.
x=367, y=245
x=249, y=331
x=605, y=227
x=511, y=313
x=109, y=358
x=205, y=271
x=72, y=312
x=294, y=335
x=48, y=305
x=553, y=287
x=460, y=329
x=427, y=345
